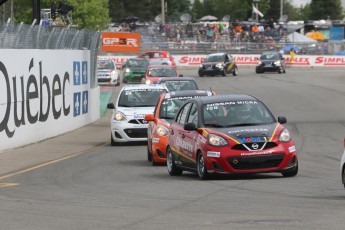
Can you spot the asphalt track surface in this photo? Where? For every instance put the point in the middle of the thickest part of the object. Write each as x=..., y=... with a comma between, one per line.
x=78, y=181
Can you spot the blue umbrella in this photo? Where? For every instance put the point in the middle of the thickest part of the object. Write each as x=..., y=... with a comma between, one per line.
x=287, y=48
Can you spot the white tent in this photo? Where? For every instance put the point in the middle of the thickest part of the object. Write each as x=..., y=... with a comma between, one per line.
x=295, y=37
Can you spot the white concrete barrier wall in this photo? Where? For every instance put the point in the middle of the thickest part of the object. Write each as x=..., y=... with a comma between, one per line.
x=44, y=93
x=251, y=59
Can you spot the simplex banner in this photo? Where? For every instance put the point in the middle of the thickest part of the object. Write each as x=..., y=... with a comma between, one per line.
x=251, y=59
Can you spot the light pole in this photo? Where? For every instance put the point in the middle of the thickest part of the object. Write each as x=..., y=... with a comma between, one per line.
x=281, y=9
x=257, y=7
x=163, y=11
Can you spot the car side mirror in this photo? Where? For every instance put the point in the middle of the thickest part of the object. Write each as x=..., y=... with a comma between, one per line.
x=149, y=117
x=180, y=75
x=282, y=120
x=110, y=106
x=189, y=126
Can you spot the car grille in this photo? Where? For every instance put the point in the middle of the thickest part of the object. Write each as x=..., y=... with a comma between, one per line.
x=209, y=66
x=137, y=121
x=136, y=133
x=139, y=72
x=255, y=162
x=260, y=145
x=103, y=80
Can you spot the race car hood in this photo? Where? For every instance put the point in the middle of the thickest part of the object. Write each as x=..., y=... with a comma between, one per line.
x=210, y=63
x=166, y=122
x=265, y=62
x=135, y=112
x=259, y=133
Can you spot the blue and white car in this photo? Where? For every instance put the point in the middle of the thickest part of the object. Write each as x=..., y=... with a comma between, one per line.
x=133, y=103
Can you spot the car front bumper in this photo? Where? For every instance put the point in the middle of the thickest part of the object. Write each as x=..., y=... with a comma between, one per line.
x=122, y=131
x=277, y=159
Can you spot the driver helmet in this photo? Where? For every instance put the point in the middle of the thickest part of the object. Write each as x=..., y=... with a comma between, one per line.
x=244, y=112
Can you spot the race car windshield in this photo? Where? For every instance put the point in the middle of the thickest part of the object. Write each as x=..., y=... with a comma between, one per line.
x=236, y=113
x=180, y=85
x=105, y=65
x=162, y=72
x=138, y=63
x=139, y=98
x=170, y=107
x=214, y=58
x=269, y=57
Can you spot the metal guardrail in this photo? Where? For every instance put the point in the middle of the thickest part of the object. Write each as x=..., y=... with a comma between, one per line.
x=22, y=36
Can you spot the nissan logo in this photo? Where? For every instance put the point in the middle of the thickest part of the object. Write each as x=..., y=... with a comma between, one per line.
x=255, y=146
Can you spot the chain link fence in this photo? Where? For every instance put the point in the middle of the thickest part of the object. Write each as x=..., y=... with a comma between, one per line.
x=23, y=36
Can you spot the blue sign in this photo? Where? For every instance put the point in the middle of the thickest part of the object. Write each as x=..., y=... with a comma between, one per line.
x=84, y=72
x=76, y=73
x=85, y=102
x=336, y=33
x=76, y=104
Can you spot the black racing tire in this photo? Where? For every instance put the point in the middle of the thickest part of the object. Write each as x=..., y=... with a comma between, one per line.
x=201, y=168
x=173, y=170
x=112, y=142
x=291, y=173
x=224, y=73
x=280, y=70
x=149, y=154
x=284, y=71
x=201, y=75
x=343, y=175
x=234, y=73
x=258, y=71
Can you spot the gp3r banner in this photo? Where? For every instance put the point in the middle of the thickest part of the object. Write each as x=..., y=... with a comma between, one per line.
x=120, y=42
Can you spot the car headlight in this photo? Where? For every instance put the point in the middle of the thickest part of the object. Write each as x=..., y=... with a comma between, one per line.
x=118, y=116
x=162, y=131
x=127, y=70
x=259, y=62
x=216, y=140
x=284, y=136
x=113, y=72
x=148, y=82
x=200, y=66
x=219, y=65
x=277, y=63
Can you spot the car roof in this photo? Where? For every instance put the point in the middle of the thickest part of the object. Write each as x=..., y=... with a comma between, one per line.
x=137, y=58
x=270, y=52
x=161, y=66
x=188, y=93
x=165, y=79
x=216, y=54
x=226, y=97
x=143, y=86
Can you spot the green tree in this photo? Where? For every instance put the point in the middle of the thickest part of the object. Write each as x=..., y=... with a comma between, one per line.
x=176, y=8
x=87, y=14
x=197, y=10
x=330, y=9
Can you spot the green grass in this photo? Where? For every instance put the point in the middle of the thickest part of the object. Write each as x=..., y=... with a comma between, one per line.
x=105, y=98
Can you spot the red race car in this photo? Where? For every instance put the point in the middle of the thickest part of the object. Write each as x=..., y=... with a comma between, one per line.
x=154, y=72
x=158, y=57
x=159, y=122
x=229, y=134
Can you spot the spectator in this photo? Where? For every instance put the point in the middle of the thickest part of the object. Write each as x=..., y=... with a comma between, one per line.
x=292, y=54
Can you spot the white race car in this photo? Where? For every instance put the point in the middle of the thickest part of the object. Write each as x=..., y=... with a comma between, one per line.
x=107, y=73
x=133, y=103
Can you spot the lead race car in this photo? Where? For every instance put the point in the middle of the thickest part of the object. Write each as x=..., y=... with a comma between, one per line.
x=218, y=64
x=229, y=134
